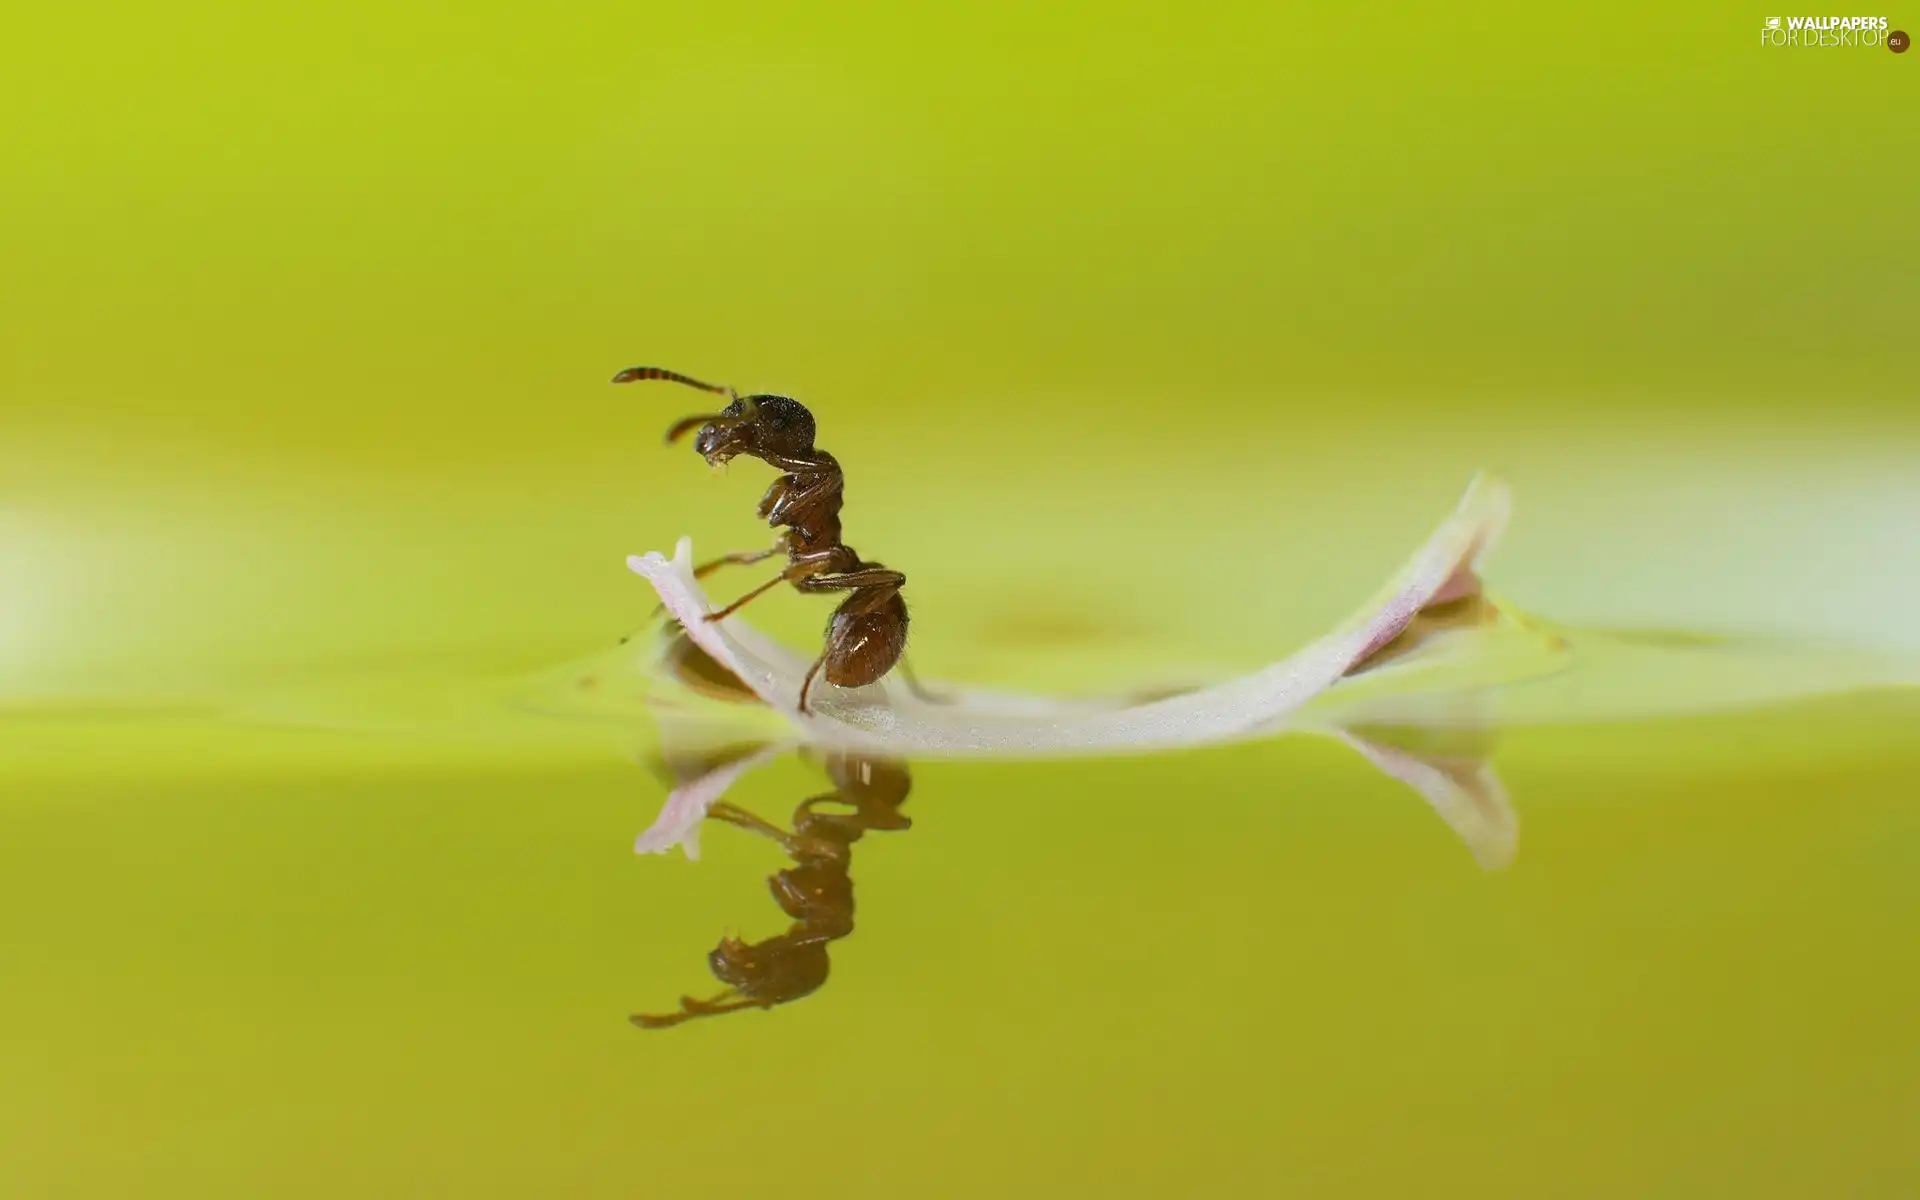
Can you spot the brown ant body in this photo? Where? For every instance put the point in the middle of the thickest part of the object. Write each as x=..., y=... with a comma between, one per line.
x=868, y=632
x=816, y=891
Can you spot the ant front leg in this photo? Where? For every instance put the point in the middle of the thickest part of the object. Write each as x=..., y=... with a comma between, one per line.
x=799, y=498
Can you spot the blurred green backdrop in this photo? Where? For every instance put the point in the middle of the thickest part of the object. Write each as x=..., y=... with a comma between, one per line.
x=1067, y=286
x=1122, y=318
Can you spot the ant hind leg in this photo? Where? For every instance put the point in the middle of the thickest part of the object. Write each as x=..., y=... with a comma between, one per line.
x=914, y=685
x=806, y=685
x=878, y=582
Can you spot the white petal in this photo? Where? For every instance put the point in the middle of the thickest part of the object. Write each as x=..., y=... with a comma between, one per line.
x=887, y=718
x=679, y=821
x=1463, y=789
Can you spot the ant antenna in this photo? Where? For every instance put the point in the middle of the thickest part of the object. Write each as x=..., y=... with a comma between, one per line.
x=680, y=428
x=641, y=374
x=685, y=424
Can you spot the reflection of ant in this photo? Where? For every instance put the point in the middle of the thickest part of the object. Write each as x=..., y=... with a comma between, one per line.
x=816, y=891
x=868, y=632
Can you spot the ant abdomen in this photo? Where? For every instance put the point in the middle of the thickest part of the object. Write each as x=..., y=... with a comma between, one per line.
x=864, y=646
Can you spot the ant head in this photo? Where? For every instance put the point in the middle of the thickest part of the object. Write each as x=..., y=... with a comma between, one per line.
x=757, y=426
x=760, y=426
x=779, y=969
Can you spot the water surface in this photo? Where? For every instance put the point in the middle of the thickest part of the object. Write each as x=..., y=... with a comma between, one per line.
x=1258, y=967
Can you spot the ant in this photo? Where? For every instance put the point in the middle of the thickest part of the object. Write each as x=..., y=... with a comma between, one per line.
x=868, y=632
x=816, y=891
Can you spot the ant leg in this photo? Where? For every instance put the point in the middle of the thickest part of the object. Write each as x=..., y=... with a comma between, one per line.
x=861, y=815
x=775, y=495
x=740, y=557
x=762, y=590
x=913, y=685
x=802, y=567
x=877, y=580
x=872, y=587
x=799, y=464
x=800, y=845
x=790, y=500
x=733, y=814
x=807, y=685
x=737, y=558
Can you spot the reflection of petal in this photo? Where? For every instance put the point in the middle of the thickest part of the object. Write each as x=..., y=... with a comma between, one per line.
x=679, y=821
x=1462, y=788
x=888, y=718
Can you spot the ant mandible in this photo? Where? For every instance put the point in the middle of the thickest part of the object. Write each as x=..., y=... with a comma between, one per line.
x=868, y=632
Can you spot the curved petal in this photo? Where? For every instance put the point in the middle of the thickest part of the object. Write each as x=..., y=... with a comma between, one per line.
x=888, y=718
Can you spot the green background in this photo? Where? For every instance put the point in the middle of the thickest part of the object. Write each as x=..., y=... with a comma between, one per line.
x=1152, y=337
